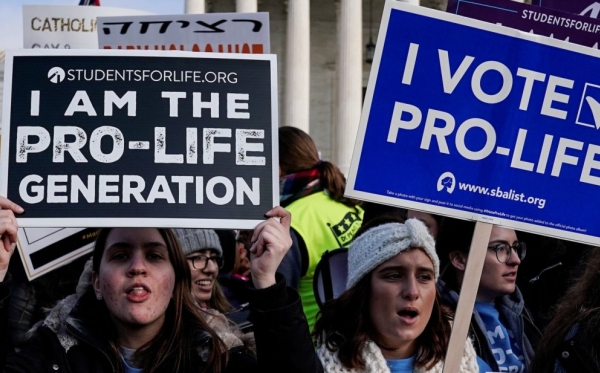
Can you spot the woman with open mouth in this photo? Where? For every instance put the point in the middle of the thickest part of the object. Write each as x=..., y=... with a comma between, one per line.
x=138, y=314
x=204, y=253
x=390, y=318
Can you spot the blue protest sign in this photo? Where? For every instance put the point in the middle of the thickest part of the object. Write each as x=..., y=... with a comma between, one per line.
x=484, y=123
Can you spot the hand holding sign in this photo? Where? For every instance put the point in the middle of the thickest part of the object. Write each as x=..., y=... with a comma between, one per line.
x=8, y=233
x=271, y=241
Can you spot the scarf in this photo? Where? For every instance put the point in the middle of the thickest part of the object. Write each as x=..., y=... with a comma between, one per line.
x=229, y=333
x=376, y=363
x=294, y=186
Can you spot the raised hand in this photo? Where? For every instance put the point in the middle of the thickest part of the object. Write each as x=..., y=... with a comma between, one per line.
x=270, y=242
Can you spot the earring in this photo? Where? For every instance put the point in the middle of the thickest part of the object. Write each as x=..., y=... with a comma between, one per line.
x=99, y=297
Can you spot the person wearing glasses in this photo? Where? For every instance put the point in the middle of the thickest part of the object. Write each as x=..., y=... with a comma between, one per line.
x=502, y=329
x=204, y=255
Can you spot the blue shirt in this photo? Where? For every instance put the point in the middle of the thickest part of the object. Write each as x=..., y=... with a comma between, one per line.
x=505, y=350
x=127, y=355
x=401, y=365
x=483, y=367
x=129, y=369
x=407, y=365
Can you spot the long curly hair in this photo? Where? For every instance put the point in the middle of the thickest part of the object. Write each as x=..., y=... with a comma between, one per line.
x=175, y=347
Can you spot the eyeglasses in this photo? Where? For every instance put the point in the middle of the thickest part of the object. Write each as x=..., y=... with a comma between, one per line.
x=503, y=250
x=198, y=259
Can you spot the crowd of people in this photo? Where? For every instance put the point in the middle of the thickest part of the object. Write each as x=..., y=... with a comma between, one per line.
x=203, y=300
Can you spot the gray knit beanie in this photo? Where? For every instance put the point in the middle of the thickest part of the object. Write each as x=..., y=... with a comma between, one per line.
x=385, y=241
x=193, y=240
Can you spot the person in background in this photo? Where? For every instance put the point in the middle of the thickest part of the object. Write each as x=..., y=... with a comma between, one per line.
x=374, y=210
x=242, y=257
x=203, y=251
x=228, y=243
x=234, y=281
x=390, y=318
x=502, y=328
x=313, y=191
x=204, y=254
x=571, y=342
x=432, y=222
x=30, y=300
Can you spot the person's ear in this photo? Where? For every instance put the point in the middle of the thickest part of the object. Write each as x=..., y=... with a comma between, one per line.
x=240, y=249
x=458, y=260
x=96, y=285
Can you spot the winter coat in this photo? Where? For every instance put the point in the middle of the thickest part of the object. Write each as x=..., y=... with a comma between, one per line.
x=74, y=344
x=234, y=288
x=516, y=317
x=376, y=363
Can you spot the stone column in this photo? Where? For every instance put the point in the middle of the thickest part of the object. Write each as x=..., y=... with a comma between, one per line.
x=296, y=109
x=349, y=81
x=246, y=6
x=195, y=7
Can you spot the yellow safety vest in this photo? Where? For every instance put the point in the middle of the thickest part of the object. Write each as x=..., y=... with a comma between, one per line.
x=323, y=224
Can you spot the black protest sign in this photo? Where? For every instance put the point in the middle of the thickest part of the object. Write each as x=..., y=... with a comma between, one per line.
x=43, y=250
x=106, y=138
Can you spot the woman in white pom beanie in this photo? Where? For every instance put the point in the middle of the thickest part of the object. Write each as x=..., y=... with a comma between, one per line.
x=390, y=318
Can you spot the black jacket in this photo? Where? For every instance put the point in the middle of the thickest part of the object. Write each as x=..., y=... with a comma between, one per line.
x=281, y=331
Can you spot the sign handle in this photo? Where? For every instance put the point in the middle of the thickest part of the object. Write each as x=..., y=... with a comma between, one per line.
x=468, y=292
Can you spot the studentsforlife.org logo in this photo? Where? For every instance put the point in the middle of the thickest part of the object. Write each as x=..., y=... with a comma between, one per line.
x=56, y=75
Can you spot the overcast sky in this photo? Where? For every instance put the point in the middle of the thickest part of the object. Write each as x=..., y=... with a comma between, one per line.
x=11, y=14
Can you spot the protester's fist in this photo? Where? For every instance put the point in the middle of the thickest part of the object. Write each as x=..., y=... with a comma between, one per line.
x=270, y=242
x=8, y=233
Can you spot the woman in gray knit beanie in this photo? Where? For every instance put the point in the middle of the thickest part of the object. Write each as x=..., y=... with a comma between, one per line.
x=390, y=318
x=204, y=253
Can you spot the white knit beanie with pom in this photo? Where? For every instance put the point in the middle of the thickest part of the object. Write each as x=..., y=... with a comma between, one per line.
x=385, y=241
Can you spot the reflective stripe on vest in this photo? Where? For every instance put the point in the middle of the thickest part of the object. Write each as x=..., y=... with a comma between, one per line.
x=323, y=224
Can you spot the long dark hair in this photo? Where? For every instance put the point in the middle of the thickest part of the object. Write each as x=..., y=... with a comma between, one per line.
x=344, y=325
x=580, y=305
x=173, y=348
x=298, y=152
x=453, y=235
x=218, y=300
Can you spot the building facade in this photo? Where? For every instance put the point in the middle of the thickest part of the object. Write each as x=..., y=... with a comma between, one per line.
x=322, y=73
